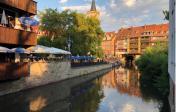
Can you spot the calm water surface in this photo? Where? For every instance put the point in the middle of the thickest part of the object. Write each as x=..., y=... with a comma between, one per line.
x=116, y=91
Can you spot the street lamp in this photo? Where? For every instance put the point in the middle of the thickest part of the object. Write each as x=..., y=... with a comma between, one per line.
x=69, y=39
x=69, y=43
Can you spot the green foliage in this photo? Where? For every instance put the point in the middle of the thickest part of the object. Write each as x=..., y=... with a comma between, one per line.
x=85, y=33
x=153, y=65
x=44, y=40
x=55, y=23
x=166, y=14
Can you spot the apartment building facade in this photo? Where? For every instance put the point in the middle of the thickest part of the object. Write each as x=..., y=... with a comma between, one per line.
x=108, y=44
x=14, y=35
x=135, y=40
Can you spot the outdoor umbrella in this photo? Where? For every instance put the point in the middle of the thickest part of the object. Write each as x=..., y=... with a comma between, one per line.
x=28, y=21
x=39, y=49
x=4, y=50
x=4, y=19
x=58, y=51
x=20, y=50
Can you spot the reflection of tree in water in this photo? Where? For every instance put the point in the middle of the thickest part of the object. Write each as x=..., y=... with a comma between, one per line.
x=148, y=92
x=151, y=93
x=126, y=80
x=86, y=98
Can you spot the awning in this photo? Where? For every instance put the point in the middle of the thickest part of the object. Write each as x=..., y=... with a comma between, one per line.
x=47, y=50
x=39, y=49
x=58, y=51
x=20, y=50
x=4, y=50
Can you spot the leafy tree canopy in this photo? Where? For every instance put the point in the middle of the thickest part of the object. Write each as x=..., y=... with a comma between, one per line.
x=166, y=14
x=85, y=33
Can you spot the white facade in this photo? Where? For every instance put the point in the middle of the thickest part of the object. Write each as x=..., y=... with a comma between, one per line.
x=172, y=41
x=172, y=54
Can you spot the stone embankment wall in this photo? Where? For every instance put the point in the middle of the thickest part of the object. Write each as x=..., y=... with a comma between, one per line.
x=43, y=73
x=39, y=99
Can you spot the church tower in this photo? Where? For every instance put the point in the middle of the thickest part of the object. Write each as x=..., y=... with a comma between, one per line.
x=93, y=13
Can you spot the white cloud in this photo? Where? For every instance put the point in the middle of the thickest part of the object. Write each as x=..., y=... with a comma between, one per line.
x=129, y=3
x=115, y=14
x=80, y=8
x=63, y=1
x=113, y=4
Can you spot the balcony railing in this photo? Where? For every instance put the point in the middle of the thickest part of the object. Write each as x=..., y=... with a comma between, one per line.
x=133, y=46
x=144, y=46
x=133, y=51
x=134, y=41
x=25, y=5
x=17, y=37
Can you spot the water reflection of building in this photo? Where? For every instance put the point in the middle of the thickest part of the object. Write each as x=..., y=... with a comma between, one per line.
x=126, y=81
x=109, y=80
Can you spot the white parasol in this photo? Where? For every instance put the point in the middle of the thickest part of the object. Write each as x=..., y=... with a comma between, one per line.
x=4, y=19
x=4, y=49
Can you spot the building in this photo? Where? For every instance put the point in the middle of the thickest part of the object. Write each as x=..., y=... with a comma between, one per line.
x=108, y=44
x=14, y=35
x=93, y=11
x=134, y=40
x=172, y=54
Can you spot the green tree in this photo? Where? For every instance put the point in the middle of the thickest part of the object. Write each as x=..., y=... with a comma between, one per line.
x=153, y=67
x=166, y=14
x=44, y=40
x=85, y=33
x=55, y=23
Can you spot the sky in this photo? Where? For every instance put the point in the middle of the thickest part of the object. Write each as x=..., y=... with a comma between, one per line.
x=115, y=14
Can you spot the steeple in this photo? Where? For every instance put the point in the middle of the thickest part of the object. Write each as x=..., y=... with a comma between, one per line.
x=93, y=12
x=93, y=7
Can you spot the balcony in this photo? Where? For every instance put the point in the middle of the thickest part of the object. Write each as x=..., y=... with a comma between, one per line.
x=133, y=46
x=144, y=46
x=133, y=51
x=134, y=41
x=159, y=40
x=29, y=6
x=17, y=37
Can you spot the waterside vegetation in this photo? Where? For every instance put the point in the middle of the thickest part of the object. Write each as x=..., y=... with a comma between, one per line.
x=153, y=65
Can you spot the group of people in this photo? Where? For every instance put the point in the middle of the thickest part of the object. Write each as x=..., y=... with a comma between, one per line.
x=22, y=23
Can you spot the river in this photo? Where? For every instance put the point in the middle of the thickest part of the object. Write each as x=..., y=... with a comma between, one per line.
x=118, y=90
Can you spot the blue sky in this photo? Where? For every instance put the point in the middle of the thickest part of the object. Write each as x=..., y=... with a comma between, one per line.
x=115, y=13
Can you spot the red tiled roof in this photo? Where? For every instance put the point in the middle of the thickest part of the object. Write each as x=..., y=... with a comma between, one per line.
x=155, y=30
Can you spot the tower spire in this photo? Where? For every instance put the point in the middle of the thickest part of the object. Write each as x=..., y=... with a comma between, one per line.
x=93, y=13
x=93, y=7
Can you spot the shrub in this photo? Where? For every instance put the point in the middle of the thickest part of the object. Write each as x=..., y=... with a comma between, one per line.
x=154, y=68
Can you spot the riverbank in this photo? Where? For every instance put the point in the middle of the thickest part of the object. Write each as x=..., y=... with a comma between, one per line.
x=117, y=86
x=46, y=74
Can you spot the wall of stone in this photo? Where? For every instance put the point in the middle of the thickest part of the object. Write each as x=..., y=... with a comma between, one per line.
x=42, y=73
x=40, y=100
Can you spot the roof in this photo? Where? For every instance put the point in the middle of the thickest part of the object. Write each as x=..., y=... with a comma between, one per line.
x=93, y=6
x=109, y=36
x=155, y=30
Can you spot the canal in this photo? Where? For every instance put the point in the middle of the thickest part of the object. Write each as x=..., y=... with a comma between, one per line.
x=116, y=90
